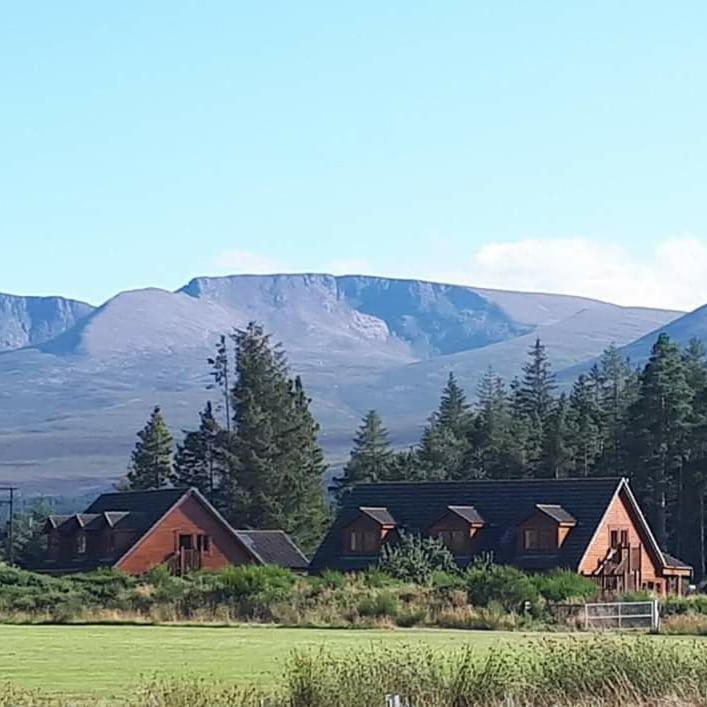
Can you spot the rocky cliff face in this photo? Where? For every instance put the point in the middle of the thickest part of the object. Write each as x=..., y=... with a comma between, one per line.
x=29, y=321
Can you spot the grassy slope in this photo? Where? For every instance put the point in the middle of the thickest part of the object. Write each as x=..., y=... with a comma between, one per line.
x=79, y=661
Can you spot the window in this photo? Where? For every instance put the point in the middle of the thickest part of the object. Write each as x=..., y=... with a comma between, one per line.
x=81, y=543
x=618, y=537
x=363, y=541
x=186, y=542
x=539, y=539
x=455, y=540
x=203, y=543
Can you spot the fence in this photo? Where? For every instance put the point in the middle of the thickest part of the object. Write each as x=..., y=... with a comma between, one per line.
x=638, y=615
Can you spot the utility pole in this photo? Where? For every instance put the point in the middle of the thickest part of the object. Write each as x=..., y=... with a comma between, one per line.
x=10, y=490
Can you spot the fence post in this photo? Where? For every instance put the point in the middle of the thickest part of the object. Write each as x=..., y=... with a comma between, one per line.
x=620, y=615
x=655, y=618
x=392, y=700
x=586, y=617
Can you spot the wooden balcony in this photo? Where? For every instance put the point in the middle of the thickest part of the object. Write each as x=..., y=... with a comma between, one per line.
x=184, y=561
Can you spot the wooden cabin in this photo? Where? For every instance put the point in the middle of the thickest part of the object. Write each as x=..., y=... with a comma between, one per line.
x=135, y=531
x=592, y=526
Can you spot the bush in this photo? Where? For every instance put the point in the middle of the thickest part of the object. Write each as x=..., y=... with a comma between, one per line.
x=379, y=605
x=446, y=582
x=267, y=582
x=563, y=585
x=415, y=559
x=331, y=579
x=511, y=588
x=375, y=578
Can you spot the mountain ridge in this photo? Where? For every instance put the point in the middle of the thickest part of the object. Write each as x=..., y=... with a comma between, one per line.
x=70, y=404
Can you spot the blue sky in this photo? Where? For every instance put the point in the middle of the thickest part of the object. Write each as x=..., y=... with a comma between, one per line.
x=545, y=145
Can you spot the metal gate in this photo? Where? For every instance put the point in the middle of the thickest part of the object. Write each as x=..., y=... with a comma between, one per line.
x=623, y=616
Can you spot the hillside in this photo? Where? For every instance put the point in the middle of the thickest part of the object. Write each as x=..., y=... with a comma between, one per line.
x=80, y=381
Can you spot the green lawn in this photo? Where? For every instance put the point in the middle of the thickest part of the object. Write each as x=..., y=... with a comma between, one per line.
x=102, y=661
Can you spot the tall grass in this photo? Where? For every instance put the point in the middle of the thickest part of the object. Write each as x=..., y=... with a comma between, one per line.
x=596, y=671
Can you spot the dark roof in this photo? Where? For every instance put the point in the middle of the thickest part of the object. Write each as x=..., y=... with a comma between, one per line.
x=127, y=510
x=380, y=515
x=467, y=513
x=502, y=504
x=672, y=561
x=556, y=512
x=273, y=547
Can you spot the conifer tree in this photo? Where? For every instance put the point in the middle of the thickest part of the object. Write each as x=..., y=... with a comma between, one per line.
x=220, y=373
x=151, y=462
x=584, y=425
x=498, y=454
x=535, y=398
x=446, y=447
x=372, y=458
x=199, y=458
x=275, y=463
x=659, y=429
x=557, y=452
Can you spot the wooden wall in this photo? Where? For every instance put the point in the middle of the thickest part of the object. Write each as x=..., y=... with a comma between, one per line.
x=620, y=516
x=189, y=518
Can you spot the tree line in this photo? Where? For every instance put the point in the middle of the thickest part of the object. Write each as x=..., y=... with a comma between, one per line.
x=257, y=457
x=648, y=424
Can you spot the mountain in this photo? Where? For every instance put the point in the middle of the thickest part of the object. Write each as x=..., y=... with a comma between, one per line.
x=29, y=321
x=79, y=383
x=690, y=326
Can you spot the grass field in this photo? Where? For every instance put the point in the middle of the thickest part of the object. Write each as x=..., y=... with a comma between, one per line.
x=104, y=661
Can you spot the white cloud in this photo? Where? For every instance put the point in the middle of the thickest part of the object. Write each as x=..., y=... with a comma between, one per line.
x=670, y=275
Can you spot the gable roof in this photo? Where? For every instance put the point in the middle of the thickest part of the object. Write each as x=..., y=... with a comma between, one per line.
x=467, y=513
x=273, y=547
x=556, y=512
x=379, y=514
x=502, y=504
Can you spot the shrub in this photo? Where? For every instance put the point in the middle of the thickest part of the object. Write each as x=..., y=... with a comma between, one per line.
x=379, y=605
x=563, y=585
x=265, y=582
x=415, y=559
x=407, y=618
x=504, y=584
x=331, y=579
x=104, y=587
x=447, y=581
x=376, y=578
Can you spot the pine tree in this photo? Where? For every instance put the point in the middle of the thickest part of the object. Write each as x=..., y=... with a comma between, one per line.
x=497, y=447
x=275, y=463
x=372, y=458
x=619, y=384
x=659, y=430
x=536, y=401
x=151, y=462
x=445, y=449
x=557, y=453
x=584, y=425
x=690, y=542
x=199, y=460
x=219, y=372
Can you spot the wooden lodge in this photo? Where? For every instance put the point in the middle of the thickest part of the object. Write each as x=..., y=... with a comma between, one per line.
x=592, y=526
x=135, y=531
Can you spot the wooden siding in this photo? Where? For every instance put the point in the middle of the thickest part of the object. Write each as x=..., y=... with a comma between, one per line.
x=189, y=517
x=620, y=516
x=451, y=521
x=542, y=523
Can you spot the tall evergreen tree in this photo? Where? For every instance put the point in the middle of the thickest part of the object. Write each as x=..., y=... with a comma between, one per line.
x=199, y=459
x=584, y=425
x=151, y=462
x=619, y=391
x=446, y=447
x=659, y=428
x=557, y=455
x=536, y=400
x=275, y=462
x=220, y=373
x=372, y=458
x=498, y=449
x=690, y=542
